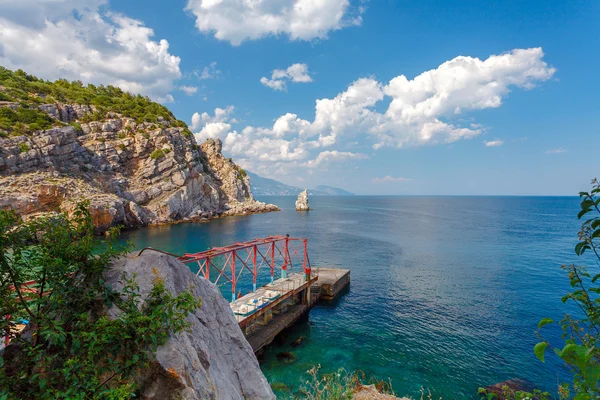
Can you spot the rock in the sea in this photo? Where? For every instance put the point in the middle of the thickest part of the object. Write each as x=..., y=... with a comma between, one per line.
x=286, y=357
x=512, y=385
x=212, y=360
x=302, y=202
x=298, y=341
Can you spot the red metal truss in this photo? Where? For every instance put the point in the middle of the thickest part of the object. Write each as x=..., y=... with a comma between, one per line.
x=229, y=262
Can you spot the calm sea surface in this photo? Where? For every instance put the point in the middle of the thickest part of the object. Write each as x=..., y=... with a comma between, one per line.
x=446, y=292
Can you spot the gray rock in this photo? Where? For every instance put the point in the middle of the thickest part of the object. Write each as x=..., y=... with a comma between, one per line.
x=211, y=361
x=302, y=202
x=188, y=178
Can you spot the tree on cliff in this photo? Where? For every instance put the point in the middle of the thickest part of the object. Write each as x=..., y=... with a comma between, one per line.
x=581, y=332
x=82, y=340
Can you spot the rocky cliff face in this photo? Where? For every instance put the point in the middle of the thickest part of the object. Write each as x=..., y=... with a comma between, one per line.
x=133, y=174
x=212, y=360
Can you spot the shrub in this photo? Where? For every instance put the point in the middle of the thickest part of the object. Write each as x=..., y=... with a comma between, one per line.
x=23, y=147
x=580, y=350
x=77, y=127
x=121, y=135
x=340, y=385
x=74, y=350
x=159, y=153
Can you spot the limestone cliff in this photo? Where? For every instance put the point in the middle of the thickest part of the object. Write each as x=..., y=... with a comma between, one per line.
x=212, y=360
x=133, y=173
x=302, y=201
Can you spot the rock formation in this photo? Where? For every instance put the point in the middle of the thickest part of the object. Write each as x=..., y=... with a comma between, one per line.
x=133, y=174
x=212, y=360
x=302, y=202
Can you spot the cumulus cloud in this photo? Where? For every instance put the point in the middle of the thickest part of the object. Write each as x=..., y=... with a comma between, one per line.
x=426, y=110
x=390, y=179
x=280, y=77
x=84, y=40
x=328, y=156
x=189, y=90
x=238, y=20
x=212, y=126
x=556, y=151
x=493, y=143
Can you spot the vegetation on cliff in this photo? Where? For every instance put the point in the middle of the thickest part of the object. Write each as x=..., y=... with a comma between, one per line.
x=25, y=93
x=581, y=332
x=82, y=340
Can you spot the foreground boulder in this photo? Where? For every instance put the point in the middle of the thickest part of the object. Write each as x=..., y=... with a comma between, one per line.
x=302, y=202
x=211, y=361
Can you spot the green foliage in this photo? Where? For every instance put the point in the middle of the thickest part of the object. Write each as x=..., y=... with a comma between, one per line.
x=581, y=334
x=159, y=153
x=23, y=147
x=77, y=127
x=24, y=120
x=241, y=174
x=510, y=394
x=71, y=349
x=340, y=385
x=31, y=91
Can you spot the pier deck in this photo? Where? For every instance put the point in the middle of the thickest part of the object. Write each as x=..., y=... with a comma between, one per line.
x=263, y=314
x=331, y=282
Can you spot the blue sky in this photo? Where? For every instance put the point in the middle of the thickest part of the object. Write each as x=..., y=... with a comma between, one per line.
x=519, y=115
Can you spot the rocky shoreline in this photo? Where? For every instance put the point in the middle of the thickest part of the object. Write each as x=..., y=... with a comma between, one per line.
x=133, y=174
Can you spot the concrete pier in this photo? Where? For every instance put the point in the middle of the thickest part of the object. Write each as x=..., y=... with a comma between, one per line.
x=266, y=312
x=331, y=282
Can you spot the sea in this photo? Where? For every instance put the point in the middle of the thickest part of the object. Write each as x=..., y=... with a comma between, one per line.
x=446, y=291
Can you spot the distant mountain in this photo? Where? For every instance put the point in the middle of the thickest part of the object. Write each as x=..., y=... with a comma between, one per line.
x=270, y=187
x=333, y=191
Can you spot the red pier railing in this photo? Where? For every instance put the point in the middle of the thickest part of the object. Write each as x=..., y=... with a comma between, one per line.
x=275, y=253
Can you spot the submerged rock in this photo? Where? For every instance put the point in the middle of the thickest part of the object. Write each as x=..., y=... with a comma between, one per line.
x=513, y=385
x=286, y=357
x=280, y=387
x=212, y=360
x=302, y=202
x=298, y=341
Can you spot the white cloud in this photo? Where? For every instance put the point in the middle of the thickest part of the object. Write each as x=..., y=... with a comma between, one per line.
x=280, y=77
x=329, y=156
x=83, y=40
x=390, y=179
x=209, y=72
x=493, y=143
x=212, y=126
x=425, y=110
x=189, y=90
x=556, y=151
x=239, y=20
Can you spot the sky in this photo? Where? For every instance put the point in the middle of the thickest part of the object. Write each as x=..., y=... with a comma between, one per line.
x=373, y=96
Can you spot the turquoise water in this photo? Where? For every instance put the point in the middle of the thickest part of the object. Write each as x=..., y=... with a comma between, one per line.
x=446, y=292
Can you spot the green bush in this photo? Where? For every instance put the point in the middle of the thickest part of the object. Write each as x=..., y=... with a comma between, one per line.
x=339, y=385
x=77, y=127
x=73, y=350
x=581, y=348
x=23, y=147
x=159, y=153
x=105, y=98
